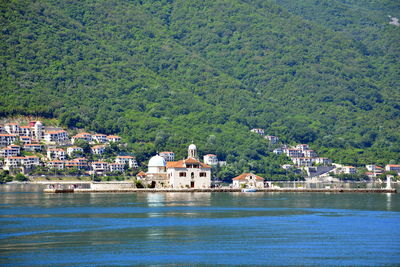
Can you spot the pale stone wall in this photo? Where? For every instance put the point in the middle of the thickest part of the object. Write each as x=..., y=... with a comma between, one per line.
x=111, y=185
x=183, y=182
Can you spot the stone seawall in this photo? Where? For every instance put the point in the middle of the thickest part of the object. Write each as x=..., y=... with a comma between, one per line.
x=227, y=190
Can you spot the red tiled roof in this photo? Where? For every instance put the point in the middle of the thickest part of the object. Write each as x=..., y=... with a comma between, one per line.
x=244, y=175
x=8, y=135
x=141, y=173
x=181, y=163
x=393, y=165
x=125, y=157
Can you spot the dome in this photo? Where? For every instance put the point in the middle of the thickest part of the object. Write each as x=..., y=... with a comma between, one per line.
x=192, y=147
x=157, y=161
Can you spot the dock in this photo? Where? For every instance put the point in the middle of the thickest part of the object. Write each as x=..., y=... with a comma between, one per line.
x=222, y=190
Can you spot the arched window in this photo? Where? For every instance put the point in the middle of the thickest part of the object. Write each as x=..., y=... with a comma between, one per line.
x=192, y=175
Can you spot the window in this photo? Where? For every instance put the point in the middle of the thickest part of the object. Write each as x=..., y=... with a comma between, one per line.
x=203, y=174
x=182, y=174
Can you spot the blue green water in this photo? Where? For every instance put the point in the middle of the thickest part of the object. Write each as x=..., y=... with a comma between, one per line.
x=312, y=229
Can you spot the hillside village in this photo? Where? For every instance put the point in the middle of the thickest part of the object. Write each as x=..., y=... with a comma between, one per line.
x=38, y=150
x=307, y=161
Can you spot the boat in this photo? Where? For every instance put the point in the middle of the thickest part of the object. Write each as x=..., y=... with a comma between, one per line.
x=248, y=190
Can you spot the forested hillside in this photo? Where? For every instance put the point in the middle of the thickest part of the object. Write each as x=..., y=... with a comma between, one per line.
x=164, y=73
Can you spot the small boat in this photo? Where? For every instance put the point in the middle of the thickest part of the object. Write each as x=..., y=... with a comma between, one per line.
x=248, y=190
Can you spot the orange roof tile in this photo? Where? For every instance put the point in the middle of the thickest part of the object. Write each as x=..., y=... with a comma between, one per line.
x=243, y=176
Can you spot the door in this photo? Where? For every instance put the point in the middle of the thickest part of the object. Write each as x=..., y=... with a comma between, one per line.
x=192, y=184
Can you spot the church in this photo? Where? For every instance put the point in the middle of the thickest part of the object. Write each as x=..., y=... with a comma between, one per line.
x=186, y=173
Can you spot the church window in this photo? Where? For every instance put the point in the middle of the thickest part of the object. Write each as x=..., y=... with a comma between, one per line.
x=203, y=174
x=182, y=174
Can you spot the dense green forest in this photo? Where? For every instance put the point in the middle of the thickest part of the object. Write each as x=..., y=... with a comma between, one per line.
x=165, y=73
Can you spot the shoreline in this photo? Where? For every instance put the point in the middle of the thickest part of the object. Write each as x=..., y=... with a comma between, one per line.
x=223, y=190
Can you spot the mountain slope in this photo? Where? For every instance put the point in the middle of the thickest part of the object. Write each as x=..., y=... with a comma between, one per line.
x=174, y=71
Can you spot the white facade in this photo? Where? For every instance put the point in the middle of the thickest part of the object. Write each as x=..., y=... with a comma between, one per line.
x=74, y=149
x=248, y=180
x=211, y=159
x=56, y=153
x=98, y=150
x=168, y=155
x=257, y=131
x=272, y=139
x=131, y=161
x=189, y=173
x=56, y=137
x=100, y=138
x=7, y=139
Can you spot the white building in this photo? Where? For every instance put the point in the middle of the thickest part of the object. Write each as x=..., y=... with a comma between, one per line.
x=248, y=180
x=187, y=173
x=116, y=167
x=258, y=131
x=304, y=162
x=79, y=163
x=293, y=153
x=392, y=167
x=56, y=137
x=7, y=139
x=32, y=147
x=81, y=136
x=210, y=159
x=113, y=138
x=12, y=128
x=25, y=139
x=100, y=167
x=99, y=138
x=98, y=150
x=56, y=164
x=303, y=147
x=323, y=161
x=168, y=155
x=309, y=153
x=278, y=151
x=10, y=151
x=56, y=153
x=272, y=139
x=74, y=150
x=131, y=161
x=17, y=162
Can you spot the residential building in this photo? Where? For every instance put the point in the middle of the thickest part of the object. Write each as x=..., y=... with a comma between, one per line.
x=82, y=136
x=278, y=151
x=56, y=164
x=10, y=151
x=323, y=161
x=258, y=131
x=272, y=139
x=309, y=153
x=303, y=147
x=168, y=155
x=56, y=153
x=7, y=139
x=293, y=153
x=33, y=147
x=12, y=128
x=113, y=138
x=98, y=150
x=25, y=139
x=392, y=167
x=100, y=167
x=248, y=180
x=79, y=163
x=74, y=150
x=56, y=137
x=129, y=160
x=17, y=162
x=25, y=131
x=348, y=170
x=99, y=138
x=303, y=161
x=116, y=167
x=210, y=159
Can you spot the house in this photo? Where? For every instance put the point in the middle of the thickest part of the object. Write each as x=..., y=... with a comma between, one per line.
x=210, y=159
x=56, y=153
x=10, y=151
x=349, y=170
x=303, y=161
x=272, y=139
x=248, y=180
x=7, y=139
x=79, y=163
x=17, y=162
x=26, y=131
x=113, y=138
x=56, y=137
x=100, y=167
x=99, y=138
x=287, y=166
x=293, y=153
x=116, y=167
x=258, y=131
x=56, y=164
x=12, y=128
x=323, y=161
x=32, y=147
x=73, y=150
x=25, y=139
x=81, y=136
x=302, y=147
x=392, y=167
x=98, y=150
x=168, y=155
x=129, y=160
x=278, y=151
x=309, y=153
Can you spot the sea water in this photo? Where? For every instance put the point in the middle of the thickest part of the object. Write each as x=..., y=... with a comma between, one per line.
x=311, y=229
